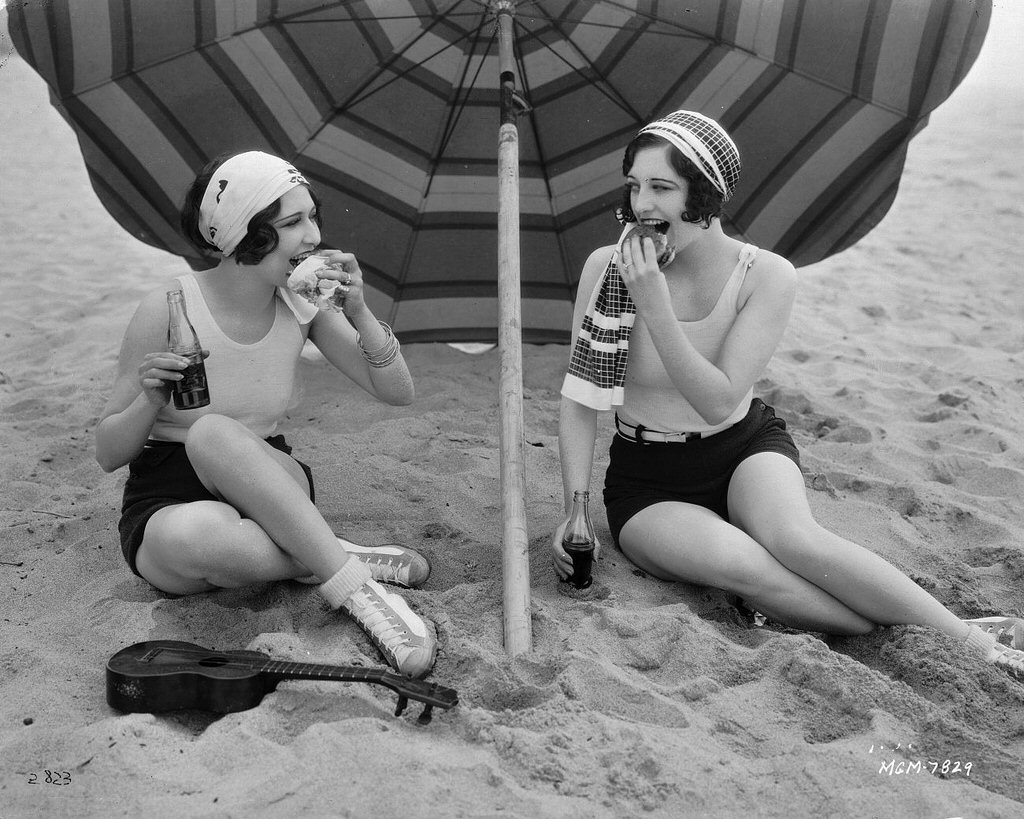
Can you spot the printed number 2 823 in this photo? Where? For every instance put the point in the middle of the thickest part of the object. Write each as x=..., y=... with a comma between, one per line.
x=50, y=778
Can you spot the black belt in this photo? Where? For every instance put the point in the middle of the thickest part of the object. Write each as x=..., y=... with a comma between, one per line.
x=639, y=434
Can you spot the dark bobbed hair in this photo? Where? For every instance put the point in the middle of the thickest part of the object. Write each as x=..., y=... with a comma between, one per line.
x=703, y=200
x=261, y=238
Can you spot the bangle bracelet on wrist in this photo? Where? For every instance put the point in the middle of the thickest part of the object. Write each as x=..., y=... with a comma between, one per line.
x=386, y=353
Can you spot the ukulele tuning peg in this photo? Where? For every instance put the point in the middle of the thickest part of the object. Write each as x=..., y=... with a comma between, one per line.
x=427, y=715
x=403, y=701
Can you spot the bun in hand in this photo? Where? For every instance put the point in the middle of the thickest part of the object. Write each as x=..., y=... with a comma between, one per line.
x=323, y=292
x=666, y=252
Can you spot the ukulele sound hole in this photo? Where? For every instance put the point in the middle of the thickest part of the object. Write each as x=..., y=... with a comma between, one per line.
x=214, y=662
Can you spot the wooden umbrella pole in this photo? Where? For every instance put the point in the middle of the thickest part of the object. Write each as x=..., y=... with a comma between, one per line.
x=515, y=542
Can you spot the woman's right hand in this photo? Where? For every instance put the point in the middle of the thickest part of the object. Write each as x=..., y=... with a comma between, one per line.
x=561, y=559
x=158, y=372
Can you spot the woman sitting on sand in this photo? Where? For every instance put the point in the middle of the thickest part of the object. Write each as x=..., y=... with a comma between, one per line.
x=213, y=497
x=703, y=483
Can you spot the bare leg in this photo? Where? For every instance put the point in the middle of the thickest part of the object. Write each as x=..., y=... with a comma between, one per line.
x=681, y=541
x=767, y=500
x=196, y=547
x=266, y=529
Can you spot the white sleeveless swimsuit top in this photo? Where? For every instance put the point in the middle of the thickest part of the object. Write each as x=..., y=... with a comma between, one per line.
x=252, y=383
x=650, y=396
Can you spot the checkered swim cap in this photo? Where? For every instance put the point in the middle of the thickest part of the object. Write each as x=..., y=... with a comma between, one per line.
x=705, y=143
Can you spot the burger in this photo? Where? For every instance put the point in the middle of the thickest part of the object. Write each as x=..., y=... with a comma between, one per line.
x=656, y=233
x=307, y=280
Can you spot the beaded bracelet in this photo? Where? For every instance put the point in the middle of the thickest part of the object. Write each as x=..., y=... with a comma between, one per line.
x=386, y=353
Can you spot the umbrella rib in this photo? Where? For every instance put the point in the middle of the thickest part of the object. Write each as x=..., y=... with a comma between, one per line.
x=562, y=248
x=294, y=18
x=600, y=86
x=454, y=114
x=356, y=19
x=455, y=111
x=357, y=96
x=675, y=29
x=682, y=31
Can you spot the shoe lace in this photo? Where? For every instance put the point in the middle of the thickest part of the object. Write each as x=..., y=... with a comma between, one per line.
x=381, y=621
x=388, y=570
x=1006, y=631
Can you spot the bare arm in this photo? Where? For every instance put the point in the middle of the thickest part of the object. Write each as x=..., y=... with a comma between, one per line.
x=714, y=388
x=577, y=424
x=336, y=334
x=141, y=387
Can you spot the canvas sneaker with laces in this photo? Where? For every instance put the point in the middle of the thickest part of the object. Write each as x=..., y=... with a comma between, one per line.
x=407, y=641
x=1008, y=659
x=387, y=564
x=1007, y=630
x=392, y=563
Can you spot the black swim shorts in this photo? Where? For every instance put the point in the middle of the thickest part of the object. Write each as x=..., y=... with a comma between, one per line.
x=162, y=475
x=698, y=471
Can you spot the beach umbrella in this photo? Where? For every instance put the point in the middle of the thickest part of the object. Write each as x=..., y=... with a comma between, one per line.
x=393, y=108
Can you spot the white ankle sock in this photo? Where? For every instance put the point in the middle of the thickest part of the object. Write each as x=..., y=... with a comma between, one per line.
x=980, y=642
x=345, y=581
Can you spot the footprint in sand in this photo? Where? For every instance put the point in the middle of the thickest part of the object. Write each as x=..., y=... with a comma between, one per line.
x=935, y=416
x=996, y=560
x=848, y=433
x=977, y=477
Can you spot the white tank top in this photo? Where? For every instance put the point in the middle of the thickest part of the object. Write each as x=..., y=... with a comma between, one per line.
x=650, y=396
x=252, y=383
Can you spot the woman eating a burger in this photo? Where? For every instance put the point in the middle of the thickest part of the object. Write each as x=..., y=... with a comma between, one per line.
x=213, y=497
x=672, y=328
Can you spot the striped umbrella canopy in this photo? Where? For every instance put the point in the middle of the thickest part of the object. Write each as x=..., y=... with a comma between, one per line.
x=390, y=107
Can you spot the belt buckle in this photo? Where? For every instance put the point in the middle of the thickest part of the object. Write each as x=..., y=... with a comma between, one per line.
x=641, y=429
x=686, y=436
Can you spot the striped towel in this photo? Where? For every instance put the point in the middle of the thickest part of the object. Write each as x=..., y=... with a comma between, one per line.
x=597, y=367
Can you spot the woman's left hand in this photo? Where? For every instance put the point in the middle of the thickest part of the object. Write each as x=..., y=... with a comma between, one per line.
x=345, y=269
x=641, y=273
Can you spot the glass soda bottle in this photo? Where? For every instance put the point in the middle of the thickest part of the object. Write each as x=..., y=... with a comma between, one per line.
x=191, y=392
x=578, y=540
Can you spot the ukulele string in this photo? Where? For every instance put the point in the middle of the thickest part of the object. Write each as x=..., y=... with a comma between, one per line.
x=270, y=665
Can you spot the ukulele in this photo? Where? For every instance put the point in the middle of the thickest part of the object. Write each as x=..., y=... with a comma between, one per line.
x=169, y=675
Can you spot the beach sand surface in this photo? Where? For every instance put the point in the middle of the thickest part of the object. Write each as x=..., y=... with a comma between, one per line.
x=900, y=377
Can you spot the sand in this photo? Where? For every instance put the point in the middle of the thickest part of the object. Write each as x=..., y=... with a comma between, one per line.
x=900, y=377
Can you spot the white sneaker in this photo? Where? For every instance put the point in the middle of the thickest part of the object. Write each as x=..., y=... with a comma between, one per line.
x=1009, y=659
x=407, y=640
x=1007, y=630
x=387, y=564
x=392, y=563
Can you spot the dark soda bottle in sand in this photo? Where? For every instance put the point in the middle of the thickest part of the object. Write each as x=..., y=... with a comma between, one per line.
x=191, y=392
x=578, y=540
